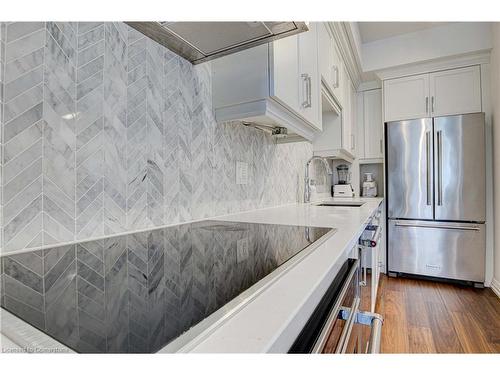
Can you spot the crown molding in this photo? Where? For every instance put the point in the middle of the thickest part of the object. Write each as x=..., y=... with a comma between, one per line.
x=370, y=85
x=474, y=58
x=342, y=34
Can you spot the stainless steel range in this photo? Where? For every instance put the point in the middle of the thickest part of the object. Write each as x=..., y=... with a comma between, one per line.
x=138, y=292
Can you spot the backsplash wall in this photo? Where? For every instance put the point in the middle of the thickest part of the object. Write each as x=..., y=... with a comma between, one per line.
x=105, y=131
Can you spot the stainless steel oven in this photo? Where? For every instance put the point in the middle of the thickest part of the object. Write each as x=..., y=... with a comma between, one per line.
x=337, y=325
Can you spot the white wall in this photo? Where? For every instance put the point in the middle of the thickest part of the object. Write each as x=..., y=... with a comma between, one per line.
x=495, y=100
x=429, y=44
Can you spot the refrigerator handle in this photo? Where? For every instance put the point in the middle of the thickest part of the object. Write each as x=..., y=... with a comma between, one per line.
x=428, y=156
x=439, y=168
x=438, y=226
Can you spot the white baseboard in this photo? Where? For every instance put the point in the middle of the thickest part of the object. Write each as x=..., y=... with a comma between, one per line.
x=495, y=287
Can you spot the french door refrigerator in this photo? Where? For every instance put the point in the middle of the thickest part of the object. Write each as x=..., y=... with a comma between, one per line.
x=436, y=197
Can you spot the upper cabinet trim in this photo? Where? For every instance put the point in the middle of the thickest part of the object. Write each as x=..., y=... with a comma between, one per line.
x=477, y=58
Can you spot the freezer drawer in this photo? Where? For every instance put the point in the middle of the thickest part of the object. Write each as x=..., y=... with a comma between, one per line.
x=439, y=249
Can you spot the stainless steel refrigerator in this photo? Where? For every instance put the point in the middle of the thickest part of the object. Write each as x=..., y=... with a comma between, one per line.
x=436, y=197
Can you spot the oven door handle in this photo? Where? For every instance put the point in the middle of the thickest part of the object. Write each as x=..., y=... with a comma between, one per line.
x=375, y=321
x=346, y=333
x=375, y=335
x=335, y=311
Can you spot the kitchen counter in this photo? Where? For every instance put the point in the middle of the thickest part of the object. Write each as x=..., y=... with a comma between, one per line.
x=271, y=321
x=269, y=316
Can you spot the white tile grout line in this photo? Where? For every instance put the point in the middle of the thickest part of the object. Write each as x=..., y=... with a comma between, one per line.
x=102, y=130
x=126, y=180
x=26, y=35
x=42, y=173
x=2, y=84
x=75, y=118
x=102, y=178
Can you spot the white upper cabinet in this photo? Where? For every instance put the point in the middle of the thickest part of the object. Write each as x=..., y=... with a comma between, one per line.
x=406, y=98
x=329, y=60
x=325, y=51
x=336, y=72
x=338, y=138
x=275, y=84
x=354, y=121
x=346, y=112
x=372, y=124
x=309, y=89
x=442, y=93
x=455, y=91
x=285, y=70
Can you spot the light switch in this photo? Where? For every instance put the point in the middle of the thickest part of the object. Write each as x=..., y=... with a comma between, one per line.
x=241, y=173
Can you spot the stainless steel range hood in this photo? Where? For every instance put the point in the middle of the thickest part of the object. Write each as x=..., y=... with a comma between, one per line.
x=203, y=41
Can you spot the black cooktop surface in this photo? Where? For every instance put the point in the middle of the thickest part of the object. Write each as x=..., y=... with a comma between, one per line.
x=136, y=293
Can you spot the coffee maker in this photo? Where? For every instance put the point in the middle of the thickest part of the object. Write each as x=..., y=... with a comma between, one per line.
x=343, y=188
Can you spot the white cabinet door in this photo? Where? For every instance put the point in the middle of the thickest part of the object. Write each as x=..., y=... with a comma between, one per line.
x=346, y=110
x=309, y=81
x=325, y=54
x=360, y=125
x=336, y=72
x=373, y=124
x=406, y=98
x=354, y=120
x=285, y=70
x=455, y=91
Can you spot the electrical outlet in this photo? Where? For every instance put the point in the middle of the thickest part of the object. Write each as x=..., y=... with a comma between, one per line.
x=242, y=250
x=241, y=173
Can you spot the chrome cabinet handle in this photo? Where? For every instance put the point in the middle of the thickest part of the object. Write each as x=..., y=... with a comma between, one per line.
x=381, y=148
x=307, y=80
x=336, y=75
x=304, y=89
x=426, y=104
x=309, y=92
x=432, y=104
x=439, y=168
x=428, y=165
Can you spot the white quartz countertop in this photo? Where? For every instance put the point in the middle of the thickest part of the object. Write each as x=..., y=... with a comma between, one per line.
x=271, y=321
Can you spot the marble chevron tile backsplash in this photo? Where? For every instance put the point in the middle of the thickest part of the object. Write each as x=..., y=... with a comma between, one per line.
x=105, y=131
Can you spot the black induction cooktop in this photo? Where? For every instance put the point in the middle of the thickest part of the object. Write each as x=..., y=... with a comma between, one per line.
x=136, y=293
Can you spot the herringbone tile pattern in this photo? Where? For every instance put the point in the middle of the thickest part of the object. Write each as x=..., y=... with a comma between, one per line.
x=59, y=138
x=137, y=292
x=2, y=64
x=115, y=127
x=22, y=134
x=104, y=131
x=89, y=130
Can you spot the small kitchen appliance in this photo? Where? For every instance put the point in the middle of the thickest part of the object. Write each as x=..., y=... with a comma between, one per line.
x=369, y=186
x=343, y=187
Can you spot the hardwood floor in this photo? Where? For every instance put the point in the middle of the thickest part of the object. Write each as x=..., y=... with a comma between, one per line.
x=429, y=317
